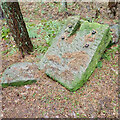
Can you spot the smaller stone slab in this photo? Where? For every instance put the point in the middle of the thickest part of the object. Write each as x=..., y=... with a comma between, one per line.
x=74, y=55
x=20, y=73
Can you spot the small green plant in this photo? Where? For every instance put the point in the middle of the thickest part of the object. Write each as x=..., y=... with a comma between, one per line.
x=43, y=49
x=7, y=38
x=49, y=29
x=57, y=98
x=32, y=30
x=24, y=97
x=99, y=65
x=5, y=32
x=78, y=115
x=51, y=4
x=104, y=111
x=65, y=98
x=110, y=53
x=34, y=94
x=116, y=21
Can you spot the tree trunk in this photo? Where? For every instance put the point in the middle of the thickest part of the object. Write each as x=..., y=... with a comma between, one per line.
x=17, y=26
x=112, y=4
x=1, y=13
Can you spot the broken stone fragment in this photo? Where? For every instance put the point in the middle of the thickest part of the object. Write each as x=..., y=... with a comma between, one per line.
x=20, y=73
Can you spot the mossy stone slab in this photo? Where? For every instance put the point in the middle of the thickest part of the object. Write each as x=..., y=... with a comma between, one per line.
x=18, y=74
x=72, y=58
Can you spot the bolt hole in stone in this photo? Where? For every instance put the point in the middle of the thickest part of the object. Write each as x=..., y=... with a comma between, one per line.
x=70, y=26
x=63, y=37
x=86, y=46
x=8, y=67
x=93, y=32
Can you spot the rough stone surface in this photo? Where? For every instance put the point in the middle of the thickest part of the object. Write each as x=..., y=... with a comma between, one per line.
x=73, y=57
x=19, y=73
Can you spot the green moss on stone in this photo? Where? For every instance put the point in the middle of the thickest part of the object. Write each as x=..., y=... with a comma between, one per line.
x=18, y=84
x=101, y=48
x=94, y=51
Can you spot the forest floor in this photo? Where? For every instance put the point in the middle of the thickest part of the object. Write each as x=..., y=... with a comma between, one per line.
x=47, y=98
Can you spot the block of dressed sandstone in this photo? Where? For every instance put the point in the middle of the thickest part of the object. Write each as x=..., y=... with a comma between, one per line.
x=75, y=53
x=18, y=74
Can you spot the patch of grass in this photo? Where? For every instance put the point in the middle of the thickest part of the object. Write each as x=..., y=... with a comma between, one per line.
x=65, y=98
x=5, y=32
x=41, y=48
x=32, y=30
x=7, y=38
x=110, y=53
x=34, y=94
x=49, y=30
x=99, y=65
x=115, y=65
x=98, y=83
x=80, y=93
x=44, y=33
x=78, y=115
x=37, y=7
x=104, y=111
x=51, y=5
x=10, y=51
x=116, y=21
x=24, y=97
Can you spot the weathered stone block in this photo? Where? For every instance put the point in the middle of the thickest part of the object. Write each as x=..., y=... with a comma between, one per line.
x=20, y=74
x=75, y=52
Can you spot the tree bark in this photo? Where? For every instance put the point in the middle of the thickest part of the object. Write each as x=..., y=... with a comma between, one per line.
x=1, y=13
x=17, y=26
x=112, y=4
